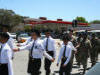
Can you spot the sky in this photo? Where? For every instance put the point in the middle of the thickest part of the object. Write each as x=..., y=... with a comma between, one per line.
x=53, y=9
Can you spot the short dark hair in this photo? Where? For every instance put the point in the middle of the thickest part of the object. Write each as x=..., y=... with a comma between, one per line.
x=66, y=37
x=80, y=34
x=48, y=31
x=71, y=30
x=93, y=35
x=4, y=35
x=84, y=34
x=37, y=32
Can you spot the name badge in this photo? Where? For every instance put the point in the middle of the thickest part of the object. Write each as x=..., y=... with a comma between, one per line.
x=36, y=47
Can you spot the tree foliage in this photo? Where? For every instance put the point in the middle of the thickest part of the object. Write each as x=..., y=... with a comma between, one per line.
x=81, y=20
x=27, y=28
x=10, y=18
x=96, y=22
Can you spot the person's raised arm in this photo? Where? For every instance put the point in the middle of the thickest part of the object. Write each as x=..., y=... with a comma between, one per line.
x=25, y=43
x=26, y=47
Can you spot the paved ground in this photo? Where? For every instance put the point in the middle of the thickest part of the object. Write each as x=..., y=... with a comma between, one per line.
x=21, y=60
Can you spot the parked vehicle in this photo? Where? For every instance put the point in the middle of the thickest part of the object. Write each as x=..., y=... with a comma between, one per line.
x=23, y=37
x=42, y=37
x=97, y=32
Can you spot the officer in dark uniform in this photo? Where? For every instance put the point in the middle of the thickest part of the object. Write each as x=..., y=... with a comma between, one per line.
x=98, y=47
x=77, y=55
x=74, y=42
x=94, y=50
x=85, y=47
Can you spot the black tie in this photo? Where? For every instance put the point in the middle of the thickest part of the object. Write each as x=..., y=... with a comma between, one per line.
x=32, y=49
x=31, y=39
x=64, y=51
x=47, y=44
x=0, y=51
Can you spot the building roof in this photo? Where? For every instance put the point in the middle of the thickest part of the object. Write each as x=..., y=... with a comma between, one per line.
x=41, y=21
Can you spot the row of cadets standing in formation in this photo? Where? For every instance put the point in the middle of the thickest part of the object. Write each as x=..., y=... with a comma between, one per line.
x=37, y=49
x=49, y=47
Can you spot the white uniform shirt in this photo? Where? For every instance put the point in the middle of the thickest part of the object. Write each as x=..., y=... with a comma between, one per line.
x=11, y=43
x=27, y=41
x=6, y=57
x=38, y=50
x=51, y=45
x=67, y=54
x=72, y=46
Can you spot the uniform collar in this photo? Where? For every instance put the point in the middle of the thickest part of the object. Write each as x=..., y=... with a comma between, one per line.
x=49, y=37
x=37, y=39
x=2, y=44
x=65, y=45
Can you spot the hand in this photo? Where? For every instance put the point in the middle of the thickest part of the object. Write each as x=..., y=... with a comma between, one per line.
x=18, y=45
x=64, y=65
x=59, y=44
x=76, y=52
x=52, y=60
x=16, y=50
x=57, y=65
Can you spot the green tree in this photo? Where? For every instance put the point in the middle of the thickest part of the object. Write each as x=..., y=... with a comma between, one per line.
x=81, y=20
x=27, y=28
x=95, y=22
x=10, y=18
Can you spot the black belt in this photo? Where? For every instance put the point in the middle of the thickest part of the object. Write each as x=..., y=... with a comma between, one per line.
x=49, y=51
x=2, y=64
x=65, y=58
x=35, y=59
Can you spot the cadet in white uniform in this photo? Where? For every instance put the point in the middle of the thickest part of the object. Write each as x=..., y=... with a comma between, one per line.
x=37, y=52
x=49, y=45
x=72, y=46
x=65, y=57
x=11, y=41
x=5, y=56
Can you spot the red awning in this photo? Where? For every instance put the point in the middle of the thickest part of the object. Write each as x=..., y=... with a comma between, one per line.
x=62, y=22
